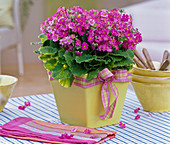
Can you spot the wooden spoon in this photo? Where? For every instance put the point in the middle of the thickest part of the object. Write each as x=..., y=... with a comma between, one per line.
x=148, y=58
x=164, y=65
x=138, y=62
x=140, y=58
x=165, y=56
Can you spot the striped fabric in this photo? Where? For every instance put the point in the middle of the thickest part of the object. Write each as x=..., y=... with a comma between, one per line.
x=150, y=130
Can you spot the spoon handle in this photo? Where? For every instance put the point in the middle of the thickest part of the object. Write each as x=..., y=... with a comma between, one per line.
x=138, y=62
x=148, y=58
x=165, y=56
x=164, y=65
x=140, y=58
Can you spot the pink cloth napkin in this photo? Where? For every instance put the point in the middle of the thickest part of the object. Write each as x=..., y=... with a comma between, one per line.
x=36, y=130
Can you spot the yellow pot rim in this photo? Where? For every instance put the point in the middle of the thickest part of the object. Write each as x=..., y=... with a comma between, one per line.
x=155, y=85
x=14, y=78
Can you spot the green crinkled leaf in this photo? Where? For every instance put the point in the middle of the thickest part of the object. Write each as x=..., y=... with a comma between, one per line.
x=35, y=43
x=61, y=53
x=61, y=60
x=84, y=58
x=37, y=51
x=125, y=54
x=59, y=72
x=77, y=69
x=46, y=43
x=66, y=82
x=54, y=44
x=47, y=50
x=50, y=64
x=42, y=36
x=44, y=58
x=123, y=62
x=68, y=57
x=92, y=74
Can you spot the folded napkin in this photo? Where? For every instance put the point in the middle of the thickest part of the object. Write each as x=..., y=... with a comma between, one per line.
x=36, y=130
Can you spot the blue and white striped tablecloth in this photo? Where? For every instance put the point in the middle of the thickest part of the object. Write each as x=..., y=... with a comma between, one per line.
x=154, y=130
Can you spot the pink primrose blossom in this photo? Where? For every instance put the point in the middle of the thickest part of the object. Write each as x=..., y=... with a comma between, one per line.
x=70, y=47
x=63, y=33
x=109, y=49
x=68, y=40
x=78, y=42
x=104, y=13
x=78, y=53
x=71, y=25
x=49, y=29
x=114, y=32
x=91, y=22
x=61, y=41
x=125, y=44
x=122, y=125
x=112, y=41
x=137, y=117
x=93, y=136
x=131, y=46
x=27, y=103
x=87, y=131
x=62, y=20
x=22, y=107
x=72, y=36
x=125, y=17
x=90, y=38
x=84, y=46
x=138, y=39
x=106, y=38
x=55, y=37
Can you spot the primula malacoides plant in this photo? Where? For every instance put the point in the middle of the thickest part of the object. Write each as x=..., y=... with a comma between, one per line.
x=76, y=42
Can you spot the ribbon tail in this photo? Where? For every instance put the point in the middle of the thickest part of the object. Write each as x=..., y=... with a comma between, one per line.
x=105, y=99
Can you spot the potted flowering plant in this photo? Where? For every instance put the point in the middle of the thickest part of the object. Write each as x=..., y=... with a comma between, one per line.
x=77, y=43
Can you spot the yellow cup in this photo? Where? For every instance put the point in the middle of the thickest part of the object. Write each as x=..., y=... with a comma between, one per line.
x=153, y=97
x=150, y=80
x=7, y=84
x=151, y=73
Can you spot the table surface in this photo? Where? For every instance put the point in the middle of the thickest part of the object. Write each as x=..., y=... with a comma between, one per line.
x=155, y=129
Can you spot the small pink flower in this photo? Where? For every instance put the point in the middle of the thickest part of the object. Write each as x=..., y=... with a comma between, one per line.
x=137, y=117
x=84, y=46
x=91, y=22
x=78, y=42
x=27, y=103
x=149, y=114
x=87, y=131
x=122, y=125
x=78, y=53
x=22, y=107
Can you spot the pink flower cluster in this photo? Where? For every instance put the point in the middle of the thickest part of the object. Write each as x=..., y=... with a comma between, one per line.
x=97, y=30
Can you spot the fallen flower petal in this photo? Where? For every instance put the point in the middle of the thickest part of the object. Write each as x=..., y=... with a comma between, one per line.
x=93, y=136
x=74, y=130
x=27, y=103
x=137, y=117
x=22, y=107
x=136, y=110
x=87, y=131
x=66, y=136
x=122, y=125
x=150, y=114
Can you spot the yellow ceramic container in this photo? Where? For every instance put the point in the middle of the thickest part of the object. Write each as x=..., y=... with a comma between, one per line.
x=151, y=80
x=7, y=84
x=82, y=106
x=153, y=97
x=151, y=73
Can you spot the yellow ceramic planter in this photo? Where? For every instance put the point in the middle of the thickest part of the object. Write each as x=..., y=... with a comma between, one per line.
x=7, y=84
x=153, y=97
x=151, y=73
x=82, y=106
